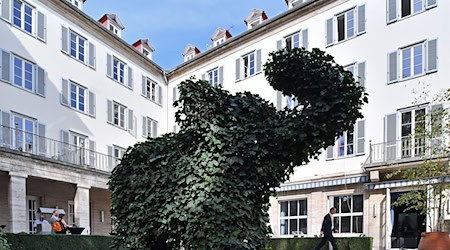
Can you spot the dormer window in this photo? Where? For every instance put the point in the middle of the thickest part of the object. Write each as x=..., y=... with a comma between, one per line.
x=220, y=41
x=255, y=18
x=145, y=47
x=77, y=3
x=294, y=3
x=145, y=52
x=113, y=29
x=190, y=52
x=112, y=23
x=220, y=36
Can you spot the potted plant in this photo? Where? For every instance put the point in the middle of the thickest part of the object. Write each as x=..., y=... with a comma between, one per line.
x=431, y=177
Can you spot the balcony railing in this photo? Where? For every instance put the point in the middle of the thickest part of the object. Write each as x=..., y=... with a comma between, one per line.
x=21, y=140
x=405, y=150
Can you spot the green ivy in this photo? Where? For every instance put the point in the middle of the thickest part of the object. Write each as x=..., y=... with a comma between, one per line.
x=208, y=186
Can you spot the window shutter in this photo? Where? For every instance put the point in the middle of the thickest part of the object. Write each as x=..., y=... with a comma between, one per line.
x=432, y=57
x=6, y=129
x=6, y=66
x=65, y=147
x=64, y=39
x=390, y=136
x=109, y=109
x=154, y=129
x=238, y=69
x=92, y=154
x=392, y=67
x=144, y=86
x=160, y=95
x=362, y=74
x=175, y=97
x=92, y=103
x=221, y=76
x=437, y=116
x=42, y=149
x=360, y=137
x=391, y=11
x=111, y=159
x=92, y=56
x=330, y=152
x=279, y=100
x=109, y=65
x=6, y=10
x=65, y=92
x=41, y=76
x=144, y=127
x=361, y=19
x=130, y=77
x=41, y=26
x=431, y=3
x=305, y=38
x=279, y=45
x=258, y=61
x=203, y=77
x=130, y=119
x=329, y=32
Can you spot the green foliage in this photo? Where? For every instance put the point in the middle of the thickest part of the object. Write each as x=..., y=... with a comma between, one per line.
x=208, y=186
x=353, y=243
x=50, y=242
x=4, y=245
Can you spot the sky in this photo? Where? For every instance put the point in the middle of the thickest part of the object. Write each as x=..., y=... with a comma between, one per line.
x=172, y=24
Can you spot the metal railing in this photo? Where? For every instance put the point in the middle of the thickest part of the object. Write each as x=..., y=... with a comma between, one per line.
x=406, y=149
x=27, y=142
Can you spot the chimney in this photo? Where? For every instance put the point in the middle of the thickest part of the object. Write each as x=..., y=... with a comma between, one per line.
x=254, y=18
x=145, y=47
x=220, y=36
x=190, y=52
x=112, y=23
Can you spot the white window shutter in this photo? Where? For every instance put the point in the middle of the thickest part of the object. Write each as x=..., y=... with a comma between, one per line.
x=92, y=55
x=109, y=109
x=6, y=133
x=329, y=153
x=390, y=136
x=144, y=86
x=305, y=38
x=238, y=69
x=431, y=3
x=204, y=77
x=392, y=11
x=64, y=151
x=41, y=142
x=41, y=78
x=5, y=10
x=130, y=119
x=329, y=32
x=130, y=77
x=65, y=92
x=393, y=67
x=258, y=61
x=361, y=10
x=144, y=126
x=360, y=137
x=41, y=26
x=175, y=97
x=279, y=100
x=92, y=154
x=5, y=65
x=279, y=46
x=109, y=65
x=361, y=73
x=432, y=55
x=155, y=129
x=92, y=103
x=64, y=39
x=221, y=76
x=160, y=94
x=111, y=160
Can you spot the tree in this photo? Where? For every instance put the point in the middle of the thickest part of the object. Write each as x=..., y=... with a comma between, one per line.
x=208, y=186
x=432, y=176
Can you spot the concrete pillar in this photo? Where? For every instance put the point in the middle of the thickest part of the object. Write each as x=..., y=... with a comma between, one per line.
x=17, y=202
x=82, y=211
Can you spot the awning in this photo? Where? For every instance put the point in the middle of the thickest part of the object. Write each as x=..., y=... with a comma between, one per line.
x=324, y=183
x=49, y=210
x=403, y=183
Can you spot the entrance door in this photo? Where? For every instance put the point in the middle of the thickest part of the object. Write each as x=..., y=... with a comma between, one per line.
x=407, y=226
x=32, y=207
x=23, y=134
x=79, y=150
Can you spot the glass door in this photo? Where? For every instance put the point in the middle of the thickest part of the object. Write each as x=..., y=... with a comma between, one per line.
x=23, y=134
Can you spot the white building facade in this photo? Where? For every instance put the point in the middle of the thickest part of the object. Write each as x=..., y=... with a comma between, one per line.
x=93, y=95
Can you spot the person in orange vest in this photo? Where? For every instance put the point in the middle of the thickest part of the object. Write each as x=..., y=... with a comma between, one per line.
x=54, y=221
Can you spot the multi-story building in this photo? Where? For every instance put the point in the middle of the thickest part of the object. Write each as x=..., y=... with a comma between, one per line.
x=102, y=95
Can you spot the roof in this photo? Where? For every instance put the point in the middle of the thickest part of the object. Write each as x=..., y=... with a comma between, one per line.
x=145, y=43
x=112, y=17
x=220, y=33
x=189, y=49
x=254, y=14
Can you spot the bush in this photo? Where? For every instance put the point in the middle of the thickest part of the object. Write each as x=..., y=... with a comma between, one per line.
x=355, y=243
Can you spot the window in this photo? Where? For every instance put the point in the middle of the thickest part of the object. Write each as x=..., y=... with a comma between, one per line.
x=248, y=65
x=77, y=46
x=113, y=29
x=213, y=77
x=23, y=16
x=219, y=41
x=118, y=70
x=346, y=25
x=350, y=143
x=23, y=73
x=412, y=61
x=23, y=137
x=291, y=102
x=292, y=41
x=77, y=97
x=119, y=115
x=349, y=213
x=78, y=4
x=412, y=129
x=358, y=71
x=150, y=128
x=399, y=9
x=118, y=152
x=70, y=212
x=293, y=217
x=151, y=90
x=346, y=145
x=145, y=52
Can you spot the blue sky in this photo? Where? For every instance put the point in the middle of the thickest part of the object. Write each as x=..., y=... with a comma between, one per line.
x=172, y=24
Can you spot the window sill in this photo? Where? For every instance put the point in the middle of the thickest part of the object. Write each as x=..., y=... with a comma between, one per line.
x=119, y=127
x=22, y=30
x=345, y=157
x=412, y=77
x=412, y=15
x=248, y=77
x=78, y=111
x=22, y=88
x=121, y=84
x=345, y=40
x=78, y=60
x=159, y=104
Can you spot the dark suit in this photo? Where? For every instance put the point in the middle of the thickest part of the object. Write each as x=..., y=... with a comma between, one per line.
x=327, y=233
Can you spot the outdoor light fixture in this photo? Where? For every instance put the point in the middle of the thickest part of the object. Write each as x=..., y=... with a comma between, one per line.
x=374, y=210
x=102, y=216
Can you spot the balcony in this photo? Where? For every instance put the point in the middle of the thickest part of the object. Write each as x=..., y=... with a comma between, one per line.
x=33, y=144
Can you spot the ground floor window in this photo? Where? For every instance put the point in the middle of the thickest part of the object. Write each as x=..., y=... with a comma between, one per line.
x=293, y=217
x=349, y=213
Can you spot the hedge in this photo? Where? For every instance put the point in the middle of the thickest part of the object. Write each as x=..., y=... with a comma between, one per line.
x=353, y=243
x=86, y=242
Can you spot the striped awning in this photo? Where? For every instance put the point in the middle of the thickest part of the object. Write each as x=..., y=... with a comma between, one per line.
x=402, y=183
x=324, y=183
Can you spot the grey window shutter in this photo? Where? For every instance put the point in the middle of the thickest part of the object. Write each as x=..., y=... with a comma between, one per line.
x=92, y=55
x=6, y=10
x=65, y=92
x=64, y=39
x=390, y=136
x=41, y=77
x=432, y=57
x=111, y=159
x=330, y=152
x=109, y=65
x=175, y=97
x=305, y=38
x=392, y=67
x=6, y=66
x=221, y=76
x=41, y=26
x=258, y=61
x=329, y=32
x=279, y=45
x=431, y=3
x=362, y=73
x=160, y=95
x=42, y=149
x=92, y=154
x=64, y=152
x=361, y=19
x=144, y=127
x=130, y=77
x=391, y=11
x=437, y=115
x=6, y=129
x=144, y=86
x=238, y=69
x=109, y=109
x=360, y=137
x=203, y=77
x=92, y=103
x=130, y=119
x=279, y=100
x=154, y=129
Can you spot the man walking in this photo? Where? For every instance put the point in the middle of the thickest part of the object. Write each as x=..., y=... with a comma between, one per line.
x=326, y=230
